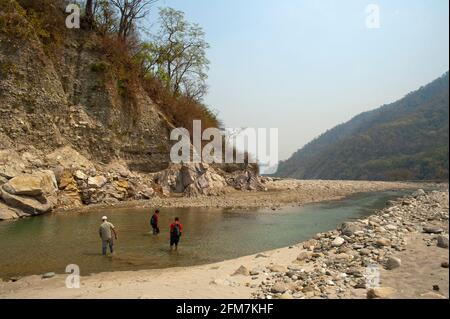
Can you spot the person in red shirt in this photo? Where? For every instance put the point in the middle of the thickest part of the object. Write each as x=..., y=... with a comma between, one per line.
x=176, y=229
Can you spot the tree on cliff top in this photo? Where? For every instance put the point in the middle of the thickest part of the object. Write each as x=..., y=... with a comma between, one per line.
x=130, y=11
x=177, y=55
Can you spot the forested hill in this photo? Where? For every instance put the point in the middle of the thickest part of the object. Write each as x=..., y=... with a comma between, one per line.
x=405, y=140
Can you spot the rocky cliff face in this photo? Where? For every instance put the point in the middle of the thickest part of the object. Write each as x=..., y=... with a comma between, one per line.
x=71, y=133
x=50, y=103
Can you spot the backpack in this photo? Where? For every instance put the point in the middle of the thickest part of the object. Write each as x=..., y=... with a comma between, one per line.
x=176, y=231
x=153, y=221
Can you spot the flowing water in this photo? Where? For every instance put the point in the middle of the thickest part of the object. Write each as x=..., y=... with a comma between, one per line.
x=51, y=242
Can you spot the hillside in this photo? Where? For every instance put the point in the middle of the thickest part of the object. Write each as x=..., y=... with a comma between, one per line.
x=405, y=140
x=81, y=123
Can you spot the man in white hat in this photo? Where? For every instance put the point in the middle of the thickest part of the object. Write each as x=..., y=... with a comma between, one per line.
x=106, y=231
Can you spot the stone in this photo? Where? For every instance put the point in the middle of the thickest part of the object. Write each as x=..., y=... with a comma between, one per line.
x=65, y=179
x=342, y=257
x=444, y=264
x=118, y=168
x=432, y=230
x=24, y=184
x=391, y=227
x=286, y=295
x=97, y=181
x=146, y=192
x=11, y=164
x=48, y=275
x=382, y=242
x=304, y=255
x=338, y=241
x=380, y=292
x=364, y=252
x=420, y=192
x=432, y=295
x=48, y=181
x=254, y=272
x=393, y=263
x=80, y=175
x=27, y=204
x=277, y=268
x=442, y=241
x=243, y=271
x=349, y=229
x=279, y=288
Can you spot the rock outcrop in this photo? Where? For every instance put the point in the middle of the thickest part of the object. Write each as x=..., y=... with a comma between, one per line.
x=191, y=180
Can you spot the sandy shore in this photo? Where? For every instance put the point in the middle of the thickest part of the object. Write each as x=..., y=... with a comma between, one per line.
x=415, y=277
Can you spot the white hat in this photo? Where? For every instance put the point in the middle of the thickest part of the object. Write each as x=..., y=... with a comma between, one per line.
x=104, y=218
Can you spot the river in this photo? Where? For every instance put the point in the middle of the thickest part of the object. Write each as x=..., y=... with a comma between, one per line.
x=51, y=242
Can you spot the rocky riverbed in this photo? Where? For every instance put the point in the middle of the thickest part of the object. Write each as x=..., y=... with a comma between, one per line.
x=356, y=259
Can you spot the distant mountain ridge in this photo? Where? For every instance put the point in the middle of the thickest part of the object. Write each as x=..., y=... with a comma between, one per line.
x=404, y=140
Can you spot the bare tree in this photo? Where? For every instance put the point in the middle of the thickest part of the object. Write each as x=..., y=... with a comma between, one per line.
x=89, y=12
x=129, y=12
x=178, y=55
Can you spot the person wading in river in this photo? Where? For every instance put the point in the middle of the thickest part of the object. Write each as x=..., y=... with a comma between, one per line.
x=106, y=231
x=154, y=222
x=176, y=229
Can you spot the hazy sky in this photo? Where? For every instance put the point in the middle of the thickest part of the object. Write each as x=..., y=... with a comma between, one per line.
x=304, y=66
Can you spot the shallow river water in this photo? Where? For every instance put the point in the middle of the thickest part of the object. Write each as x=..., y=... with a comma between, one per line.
x=51, y=242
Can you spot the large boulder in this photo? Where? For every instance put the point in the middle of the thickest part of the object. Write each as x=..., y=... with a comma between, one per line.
x=169, y=179
x=36, y=184
x=29, y=205
x=24, y=184
x=192, y=179
x=208, y=183
x=32, y=194
x=245, y=180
